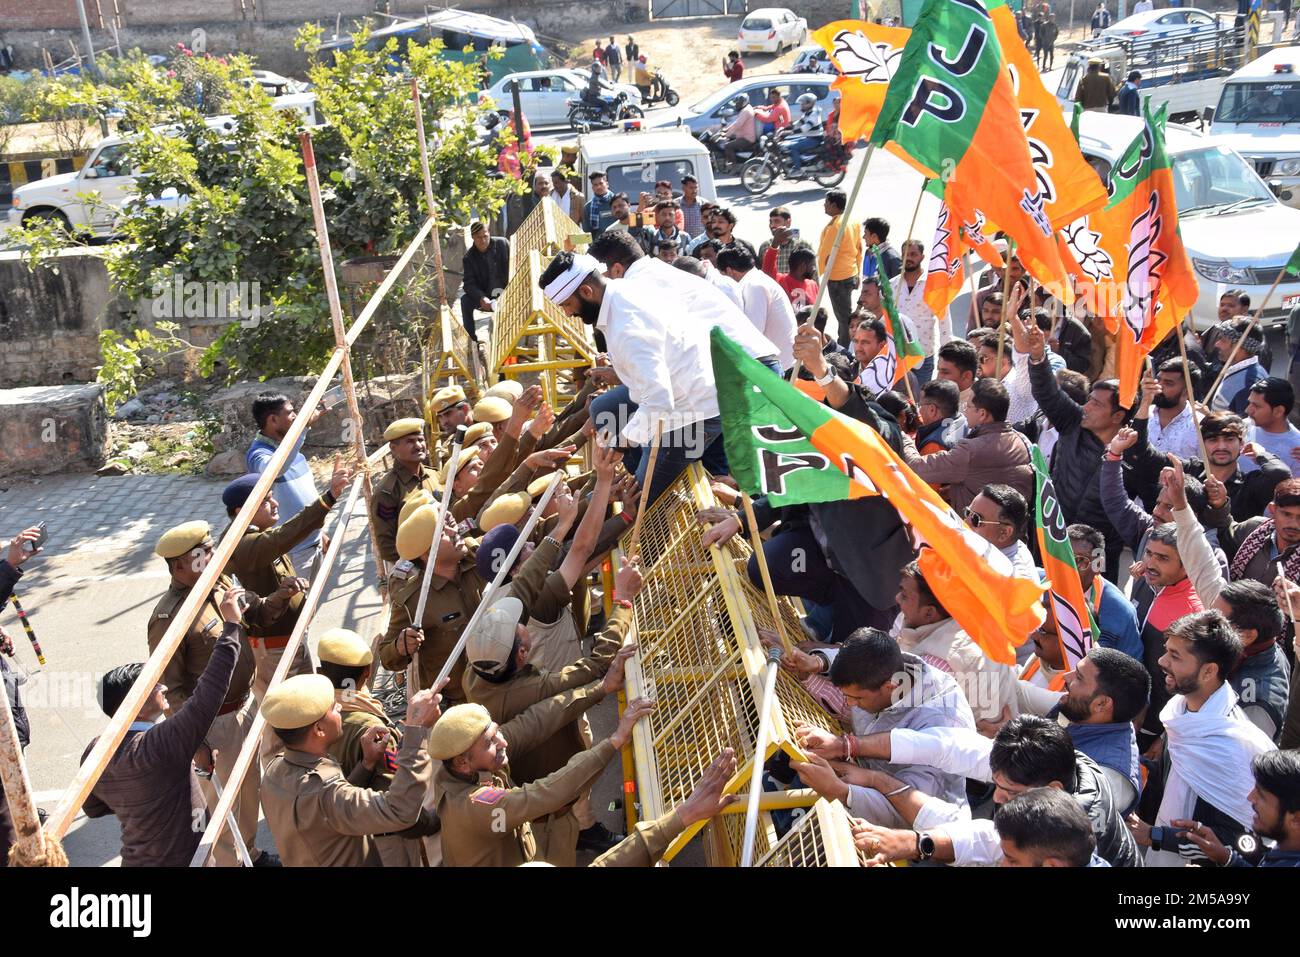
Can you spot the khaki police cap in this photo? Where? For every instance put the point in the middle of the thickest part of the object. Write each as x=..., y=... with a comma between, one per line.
x=175, y=542
x=457, y=730
x=538, y=485
x=415, y=535
x=298, y=701
x=418, y=497
x=402, y=428
x=479, y=430
x=506, y=510
x=492, y=409
x=508, y=389
x=341, y=646
x=466, y=456
x=446, y=397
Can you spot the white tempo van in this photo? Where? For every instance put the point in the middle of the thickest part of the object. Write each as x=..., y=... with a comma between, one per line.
x=1259, y=116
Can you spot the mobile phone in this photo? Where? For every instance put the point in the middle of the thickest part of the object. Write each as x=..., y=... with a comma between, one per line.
x=30, y=547
x=332, y=398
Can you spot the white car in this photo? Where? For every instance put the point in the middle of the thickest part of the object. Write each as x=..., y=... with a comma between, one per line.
x=1170, y=22
x=813, y=59
x=1259, y=116
x=771, y=30
x=545, y=94
x=1236, y=233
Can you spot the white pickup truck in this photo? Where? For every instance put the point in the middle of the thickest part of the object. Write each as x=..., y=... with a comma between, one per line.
x=1259, y=116
x=89, y=200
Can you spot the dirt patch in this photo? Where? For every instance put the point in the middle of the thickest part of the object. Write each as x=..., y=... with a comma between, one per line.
x=689, y=52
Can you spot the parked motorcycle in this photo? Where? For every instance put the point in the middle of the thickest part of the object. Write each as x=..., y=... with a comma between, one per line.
x=828, y=166
x=714, y=141
x=584, y=115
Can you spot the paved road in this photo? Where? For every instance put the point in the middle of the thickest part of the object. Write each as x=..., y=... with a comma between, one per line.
x=89, y=596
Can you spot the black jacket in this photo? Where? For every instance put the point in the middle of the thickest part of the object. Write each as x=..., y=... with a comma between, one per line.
x=1114, y=842
x=487, y=271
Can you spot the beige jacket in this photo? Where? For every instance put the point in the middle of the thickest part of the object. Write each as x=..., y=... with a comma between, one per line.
x=988, y=686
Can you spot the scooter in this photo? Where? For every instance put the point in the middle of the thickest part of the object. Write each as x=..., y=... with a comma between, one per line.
x=659, y=92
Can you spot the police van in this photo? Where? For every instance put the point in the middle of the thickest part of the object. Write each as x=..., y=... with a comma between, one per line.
x=1258, y=115
x=634, y=159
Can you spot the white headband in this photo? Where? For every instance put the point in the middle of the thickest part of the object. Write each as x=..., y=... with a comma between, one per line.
x=566, y=283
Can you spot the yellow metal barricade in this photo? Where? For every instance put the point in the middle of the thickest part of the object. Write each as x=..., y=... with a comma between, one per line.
x=450, y=354
x=534, y=341
x=821, y=838
x=545, y=230
x=697, y=620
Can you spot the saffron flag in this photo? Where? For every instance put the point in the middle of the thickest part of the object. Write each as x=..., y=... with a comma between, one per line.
x=900, y=354
x=979, y=587
x=1138, y=232
x=1074, y=624
x=944, y=271
x=952, y=109
x=867, y=55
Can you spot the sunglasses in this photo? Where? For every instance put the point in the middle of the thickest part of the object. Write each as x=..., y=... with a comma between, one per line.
x=975, y=519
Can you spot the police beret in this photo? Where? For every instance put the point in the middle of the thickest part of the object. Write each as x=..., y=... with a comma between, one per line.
x=237, y=492
x=466, y=456
x=492, y=409
x=493, y=549
x=538, y=485
x=508, y=389
x=344, y=647
x=402, y=428
x=446, y=397
x=479, y=430
x=493, y=638
x=418, y=497
x=457, y=730
x=415, y=535
x=506, y=510
x=175, y=542
x=298, y=701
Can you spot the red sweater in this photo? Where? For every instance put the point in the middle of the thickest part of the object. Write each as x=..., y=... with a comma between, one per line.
x=802, y=292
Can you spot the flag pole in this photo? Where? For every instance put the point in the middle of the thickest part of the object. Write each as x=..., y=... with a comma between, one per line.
x=1006, y=302
x=1191, y=397
x=835, y=247
x=761, y=557
x=917, y=209
x=1259, y=313
x=970, y=276
x=634, y=546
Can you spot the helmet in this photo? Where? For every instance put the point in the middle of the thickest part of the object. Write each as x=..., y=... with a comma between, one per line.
x=808, y=100
x=742, y=101
x=491, y=120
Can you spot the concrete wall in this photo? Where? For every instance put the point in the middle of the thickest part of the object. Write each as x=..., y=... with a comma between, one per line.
x=50, y=320
x=50, y=429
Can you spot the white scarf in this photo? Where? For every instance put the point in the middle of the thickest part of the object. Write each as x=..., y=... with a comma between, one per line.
x=1211, y=750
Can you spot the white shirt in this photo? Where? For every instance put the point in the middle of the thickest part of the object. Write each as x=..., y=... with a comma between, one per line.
x=1279, y=444
x=770, y=310
x=1179, y=436
x=663, y=362
x=931, y=332
x=1142, y=6
x=700, y=302
x=729, y=286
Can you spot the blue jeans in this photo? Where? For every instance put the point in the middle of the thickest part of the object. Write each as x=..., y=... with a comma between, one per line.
x=925, y=371
x=697, y=442
x=796, y=145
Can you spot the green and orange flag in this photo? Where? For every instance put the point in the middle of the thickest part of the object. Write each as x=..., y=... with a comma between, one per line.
x=867, y=55
x=952, y=109
x=1074, y=624
x=900, y=354
x=782, y=444
x=1153, y=285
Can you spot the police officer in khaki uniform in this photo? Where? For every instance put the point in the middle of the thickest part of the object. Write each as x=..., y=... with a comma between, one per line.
x=319, y=819
x=187, y=549
x=262, y=564
x=485, y=817
x=410, y=471
x=346, y=659
x=454, y=592
x=451, y=410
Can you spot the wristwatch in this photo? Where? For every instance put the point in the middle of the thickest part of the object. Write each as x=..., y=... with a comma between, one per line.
x=924, y=846
x=828, y=378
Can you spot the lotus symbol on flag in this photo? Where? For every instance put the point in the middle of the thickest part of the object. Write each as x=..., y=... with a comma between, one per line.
x=1143, y=265
x=1084, y=243
x=975, y=231
x=1033, y=205
x=860, y=57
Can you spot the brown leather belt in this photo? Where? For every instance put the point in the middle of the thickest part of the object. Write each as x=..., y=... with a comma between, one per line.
x=269, y=641
x=233, y=706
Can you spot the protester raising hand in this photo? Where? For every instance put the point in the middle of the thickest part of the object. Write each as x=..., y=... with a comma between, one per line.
x=1173, y=480
x=1124, y=440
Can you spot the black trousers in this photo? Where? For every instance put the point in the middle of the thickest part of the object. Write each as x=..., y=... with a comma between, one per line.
x=467, y=307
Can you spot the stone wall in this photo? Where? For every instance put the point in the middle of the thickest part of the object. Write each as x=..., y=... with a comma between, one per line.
x=50, y=318
x=52, y=429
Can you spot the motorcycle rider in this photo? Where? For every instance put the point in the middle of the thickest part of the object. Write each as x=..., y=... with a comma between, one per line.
x=742, y=132
x=592, y=95
x=806, y=132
